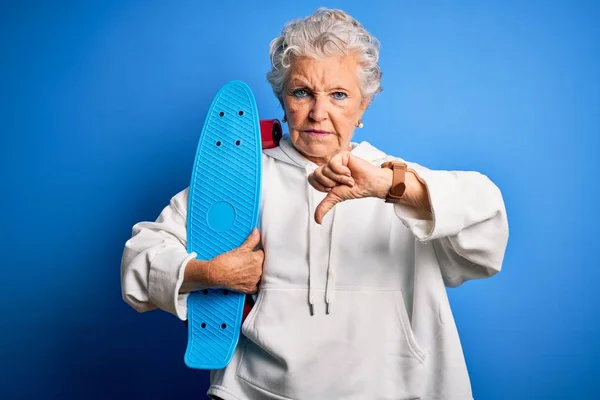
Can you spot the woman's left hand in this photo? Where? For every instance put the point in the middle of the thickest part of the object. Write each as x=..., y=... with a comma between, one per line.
x=347, y=177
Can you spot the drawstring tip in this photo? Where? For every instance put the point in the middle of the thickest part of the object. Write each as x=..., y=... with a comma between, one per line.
x=312, y=309
x=328, y=308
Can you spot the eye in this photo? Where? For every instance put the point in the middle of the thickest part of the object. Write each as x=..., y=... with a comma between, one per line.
x=300, y=93
x=339, y=95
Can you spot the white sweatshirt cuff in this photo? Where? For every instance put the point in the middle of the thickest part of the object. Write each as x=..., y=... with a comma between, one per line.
x=165, y=283
x=444, y=197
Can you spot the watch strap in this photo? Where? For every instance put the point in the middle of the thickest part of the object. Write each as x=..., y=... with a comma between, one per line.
x=398, y=180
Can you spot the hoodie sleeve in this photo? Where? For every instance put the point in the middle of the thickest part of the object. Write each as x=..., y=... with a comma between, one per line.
x=154, y=261
x=467, y=227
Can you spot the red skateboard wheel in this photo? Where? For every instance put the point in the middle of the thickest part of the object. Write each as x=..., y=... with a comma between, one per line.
x=271, y=132
x=248, y=304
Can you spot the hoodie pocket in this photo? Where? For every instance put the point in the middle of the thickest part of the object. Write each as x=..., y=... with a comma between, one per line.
x=406, y=326
x=364, y=349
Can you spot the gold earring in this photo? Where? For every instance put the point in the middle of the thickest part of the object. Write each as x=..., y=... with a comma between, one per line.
x=360, y=124
x=284, y=120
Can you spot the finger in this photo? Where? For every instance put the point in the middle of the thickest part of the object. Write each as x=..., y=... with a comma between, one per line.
x=325, y=205
x=252, y=240
x=339, y=164
x=340, y=178
x=320, y=177
x=317, y=185
x=259, y=256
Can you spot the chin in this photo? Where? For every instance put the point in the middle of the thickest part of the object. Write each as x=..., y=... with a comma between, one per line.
x=316, y=150
x=316, y=147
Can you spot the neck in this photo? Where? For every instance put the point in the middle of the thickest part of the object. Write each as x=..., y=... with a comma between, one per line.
x=320, y=161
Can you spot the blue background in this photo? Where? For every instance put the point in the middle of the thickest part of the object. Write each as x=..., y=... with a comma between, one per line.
x=101, y=105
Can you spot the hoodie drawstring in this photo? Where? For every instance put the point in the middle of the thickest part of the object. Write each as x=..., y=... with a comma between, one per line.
x=312, y=253
x=329, y=293
x=311, y=245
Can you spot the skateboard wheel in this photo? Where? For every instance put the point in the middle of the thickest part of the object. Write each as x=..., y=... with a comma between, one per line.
x=271, y=133
x=248, y=304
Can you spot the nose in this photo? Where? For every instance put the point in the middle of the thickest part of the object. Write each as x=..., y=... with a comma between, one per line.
x=318, y=111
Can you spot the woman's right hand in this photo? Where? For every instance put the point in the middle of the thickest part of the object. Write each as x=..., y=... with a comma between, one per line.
x=239, y=269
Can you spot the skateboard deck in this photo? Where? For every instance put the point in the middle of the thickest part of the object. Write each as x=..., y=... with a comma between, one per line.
x=224, y=203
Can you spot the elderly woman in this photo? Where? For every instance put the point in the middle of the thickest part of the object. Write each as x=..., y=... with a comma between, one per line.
x=357, y=245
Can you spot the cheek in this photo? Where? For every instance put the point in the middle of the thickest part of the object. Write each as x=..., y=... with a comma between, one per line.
x=295, y=118
x=347, y=118
x=296, y=111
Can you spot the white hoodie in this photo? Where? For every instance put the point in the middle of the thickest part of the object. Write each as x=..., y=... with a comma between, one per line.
x=380, y=269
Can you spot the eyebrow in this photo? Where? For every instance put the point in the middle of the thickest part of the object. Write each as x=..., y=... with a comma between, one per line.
x=298, y=82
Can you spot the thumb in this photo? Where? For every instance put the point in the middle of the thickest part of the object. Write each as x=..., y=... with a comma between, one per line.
x=252, y=240
x=346, y=158
x=325, y=205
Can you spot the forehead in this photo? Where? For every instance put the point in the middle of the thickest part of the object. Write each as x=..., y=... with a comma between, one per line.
x=325, y=73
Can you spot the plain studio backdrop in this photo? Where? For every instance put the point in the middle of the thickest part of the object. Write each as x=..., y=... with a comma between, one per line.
x=101, y=107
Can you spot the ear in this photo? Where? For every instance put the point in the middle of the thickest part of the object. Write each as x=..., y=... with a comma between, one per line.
x=283, y=108
x=364, y=104
x=281, y=103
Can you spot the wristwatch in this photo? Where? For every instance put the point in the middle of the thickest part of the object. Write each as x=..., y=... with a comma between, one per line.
x=398, y=181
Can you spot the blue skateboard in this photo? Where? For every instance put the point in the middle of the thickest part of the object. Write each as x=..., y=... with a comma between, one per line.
x=223, y=208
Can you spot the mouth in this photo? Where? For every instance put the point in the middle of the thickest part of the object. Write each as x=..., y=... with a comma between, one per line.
x=316, y=132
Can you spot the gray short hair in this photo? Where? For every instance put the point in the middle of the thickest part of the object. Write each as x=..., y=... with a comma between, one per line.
x=326, y=32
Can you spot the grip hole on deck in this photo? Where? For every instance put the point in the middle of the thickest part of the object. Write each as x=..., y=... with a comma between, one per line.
x=241, y=113
x=205, y=291
x=221, y=114
x=218, y=143
x=203, y=325
x=223, y=326
x=237, y=142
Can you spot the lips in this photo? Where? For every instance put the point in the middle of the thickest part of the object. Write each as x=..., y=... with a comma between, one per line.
x=316, y=132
